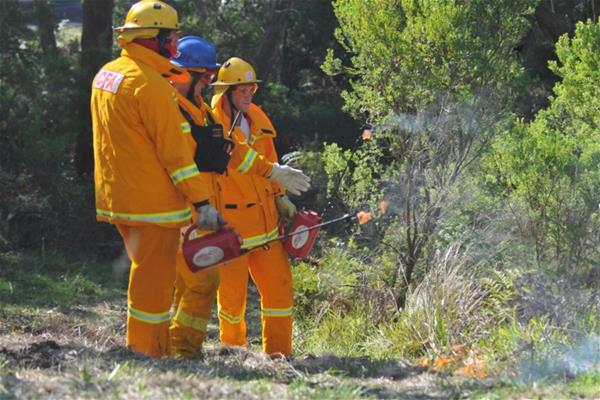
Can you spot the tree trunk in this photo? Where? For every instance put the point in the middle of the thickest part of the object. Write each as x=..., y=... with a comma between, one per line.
x=96, y=44
x=551, y=22
x=44, y=13
x=264, y=60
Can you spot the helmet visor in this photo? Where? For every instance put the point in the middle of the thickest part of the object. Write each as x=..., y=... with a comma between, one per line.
x=246, y=88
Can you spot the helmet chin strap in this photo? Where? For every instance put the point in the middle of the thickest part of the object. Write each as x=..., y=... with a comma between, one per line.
x=232, y=108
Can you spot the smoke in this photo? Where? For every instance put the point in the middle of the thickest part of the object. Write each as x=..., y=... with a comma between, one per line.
x=472, y=117
x=460, y=132
x=436, y=144
x=562, y=362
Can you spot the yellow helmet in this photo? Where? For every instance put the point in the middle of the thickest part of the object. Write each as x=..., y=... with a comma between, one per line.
x=234, y=71
x=145, y=18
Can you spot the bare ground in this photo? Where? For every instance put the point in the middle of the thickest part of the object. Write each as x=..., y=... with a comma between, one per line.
x=78, y=353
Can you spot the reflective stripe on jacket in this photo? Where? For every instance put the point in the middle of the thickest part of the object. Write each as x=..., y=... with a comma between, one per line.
x=247, y=201
x=243, y=158
x=144, y=172
x=198, y=116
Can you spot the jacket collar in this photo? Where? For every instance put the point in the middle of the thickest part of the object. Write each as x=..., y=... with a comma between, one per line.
x=155, y=61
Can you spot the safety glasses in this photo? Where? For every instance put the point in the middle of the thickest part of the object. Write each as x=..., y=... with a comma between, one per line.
x=208, y=76
x=247, y=89
x=203, y=74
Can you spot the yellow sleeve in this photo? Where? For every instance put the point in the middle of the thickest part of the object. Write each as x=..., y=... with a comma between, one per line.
x=246, y=160
x=168, y=128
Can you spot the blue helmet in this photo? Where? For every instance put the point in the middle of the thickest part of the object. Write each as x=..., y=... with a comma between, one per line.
x=195, y=52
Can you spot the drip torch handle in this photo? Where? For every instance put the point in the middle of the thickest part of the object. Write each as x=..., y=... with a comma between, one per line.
x=307, y=229
x=310, y=228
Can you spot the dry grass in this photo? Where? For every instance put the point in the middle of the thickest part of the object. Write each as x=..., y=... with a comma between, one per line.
x=453, y=305
x=48, y=353
x=69, y=345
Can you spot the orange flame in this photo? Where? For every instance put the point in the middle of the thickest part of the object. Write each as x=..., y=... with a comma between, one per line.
x=364, y=217
x=442, y=362
x=383, y=206
x=462, y=361
x=367, y=134
x=473, y=368
x=424, y=362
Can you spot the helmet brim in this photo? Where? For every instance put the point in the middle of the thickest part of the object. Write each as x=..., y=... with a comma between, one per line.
x=235, y=83
x=130, y=27
x=184, y=65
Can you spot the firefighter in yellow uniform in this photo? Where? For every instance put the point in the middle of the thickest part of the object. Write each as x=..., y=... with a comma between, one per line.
x=196, y=291
x=145, y=174
x=253, y=206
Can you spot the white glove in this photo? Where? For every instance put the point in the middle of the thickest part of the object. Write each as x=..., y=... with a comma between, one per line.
x=292, y=179
x=209, y=218
x=286, y=209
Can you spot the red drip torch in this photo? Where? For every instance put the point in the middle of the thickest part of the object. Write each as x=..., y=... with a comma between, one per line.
x=206, y=251
x=225, y=244
x=303, y=233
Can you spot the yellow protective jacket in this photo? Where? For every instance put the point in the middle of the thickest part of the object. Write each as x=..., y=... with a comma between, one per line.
x=244, y=158
x=247, y=201
x=144, y=170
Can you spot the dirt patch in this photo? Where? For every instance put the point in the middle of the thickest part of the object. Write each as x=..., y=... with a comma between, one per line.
x=74, y=353
x=55, y=369
x=358, y=367
x=45, y=354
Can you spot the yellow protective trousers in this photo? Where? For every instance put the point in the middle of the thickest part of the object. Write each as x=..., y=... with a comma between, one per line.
x=270, y=271
x=151, y=249
x=195, y=294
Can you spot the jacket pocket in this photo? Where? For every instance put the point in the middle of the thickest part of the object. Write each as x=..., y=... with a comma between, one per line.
x=268, y=202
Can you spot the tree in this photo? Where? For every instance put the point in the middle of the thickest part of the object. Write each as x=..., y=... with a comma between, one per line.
x=37, y=98
x=46, y=24
x=549, y=167
x=14, y=59
x=436, y=79
x=96, y=45
x=552, y=18
x=266, y=54
x=286, y=41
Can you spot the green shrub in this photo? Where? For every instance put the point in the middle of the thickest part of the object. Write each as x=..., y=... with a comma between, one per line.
x=346, y=298
x=549, y=167
x=456, y=303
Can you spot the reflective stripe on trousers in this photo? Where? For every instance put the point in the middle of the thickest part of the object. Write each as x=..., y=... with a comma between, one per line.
x=190, y=321
x=277, y=312
x=149, y=318
x=232, y=319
